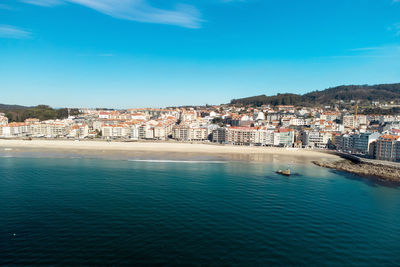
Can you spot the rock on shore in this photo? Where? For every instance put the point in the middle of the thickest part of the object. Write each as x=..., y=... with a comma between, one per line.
x=383, y=172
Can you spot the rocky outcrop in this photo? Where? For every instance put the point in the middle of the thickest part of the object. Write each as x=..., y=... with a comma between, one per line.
x=384, y=172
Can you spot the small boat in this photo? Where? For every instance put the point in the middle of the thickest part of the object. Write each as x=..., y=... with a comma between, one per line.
x=284, y=172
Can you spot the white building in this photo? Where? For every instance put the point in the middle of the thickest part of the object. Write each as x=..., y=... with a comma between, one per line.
x=3, y=119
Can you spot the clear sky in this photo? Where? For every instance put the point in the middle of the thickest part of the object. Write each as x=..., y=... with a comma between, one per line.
x=136, y=53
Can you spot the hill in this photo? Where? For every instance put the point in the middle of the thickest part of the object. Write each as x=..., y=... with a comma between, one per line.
x=17, y=113
x=362, y=93
x=4, y=107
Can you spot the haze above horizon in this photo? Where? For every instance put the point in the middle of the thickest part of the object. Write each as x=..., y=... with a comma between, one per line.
x=153, y=53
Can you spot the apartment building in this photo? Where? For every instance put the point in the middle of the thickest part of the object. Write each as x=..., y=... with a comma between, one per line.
x=362, y=142
x=329, y=116
x=286, y=137
x=79, y=131
x=348, y=121
x=264, y=137
x=187, y=133
x=160, y=132
x=115, y=131
x=297, y=121
x=344, y=142
x=3, y=119
x=198, y=134
x=219, y=135
x=241, y=135
x=180, y=133
x=14, y=129
x=146, y=131
x=387, y=148
x=316, y=139
x=189, y=115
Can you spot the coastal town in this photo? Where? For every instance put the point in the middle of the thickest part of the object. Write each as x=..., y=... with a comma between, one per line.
x=367, y=136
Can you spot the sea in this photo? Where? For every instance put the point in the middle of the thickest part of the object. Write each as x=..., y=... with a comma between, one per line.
x=102, y=212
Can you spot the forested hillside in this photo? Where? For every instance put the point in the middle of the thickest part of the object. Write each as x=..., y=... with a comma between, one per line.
x=381, y=92
x=20, y=113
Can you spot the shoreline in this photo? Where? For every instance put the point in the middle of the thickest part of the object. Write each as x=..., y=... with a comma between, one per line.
x=162, y=150
x=175, y=151
x=378, y=171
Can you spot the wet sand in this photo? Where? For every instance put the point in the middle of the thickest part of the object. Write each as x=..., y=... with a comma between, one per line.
x=157, y=151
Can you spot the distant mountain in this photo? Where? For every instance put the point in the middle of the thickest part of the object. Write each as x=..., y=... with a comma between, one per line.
x=363, y=93
x=4, y=107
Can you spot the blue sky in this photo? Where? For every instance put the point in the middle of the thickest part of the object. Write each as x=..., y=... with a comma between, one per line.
x=137, y=53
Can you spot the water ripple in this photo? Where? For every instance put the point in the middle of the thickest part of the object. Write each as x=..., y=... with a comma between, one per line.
x=99, y=212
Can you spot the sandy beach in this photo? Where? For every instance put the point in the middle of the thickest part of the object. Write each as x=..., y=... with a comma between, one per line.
x=162, y=150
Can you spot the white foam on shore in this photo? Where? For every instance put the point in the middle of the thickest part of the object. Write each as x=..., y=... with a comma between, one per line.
x=176, y=161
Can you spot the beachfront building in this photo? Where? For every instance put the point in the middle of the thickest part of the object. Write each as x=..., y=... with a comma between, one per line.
x=387, y=147
x=356, y=143
x=160, y=132
x=241, y=135
x=396, y=153
x=14, y=129
x=344, y=142
x=49, y=129
x=146, y=132
x=219, y=135
x=254, y=136
x=3, y=119
x=163, y=128
x=134, y=132
x=198, y=134
x=5, y=131
x=316, y=139
x=187, y=133
x=115, y=131
x=265, y=137
x=180, y=133
x=262, y=126
x=57, y=129
x=362, y=142
x=286, y=137
x=79, y=131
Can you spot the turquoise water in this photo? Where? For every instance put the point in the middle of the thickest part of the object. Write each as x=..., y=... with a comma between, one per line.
x=98, y=212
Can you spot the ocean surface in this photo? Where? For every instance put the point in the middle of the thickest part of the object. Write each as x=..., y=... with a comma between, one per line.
x=80, y=211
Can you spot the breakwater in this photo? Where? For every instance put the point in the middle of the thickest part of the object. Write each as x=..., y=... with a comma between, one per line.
x=368, y=168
